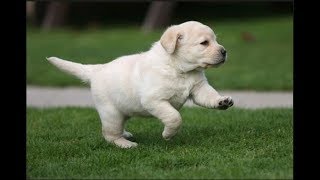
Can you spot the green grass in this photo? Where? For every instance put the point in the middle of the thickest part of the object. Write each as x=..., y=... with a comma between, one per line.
x=237, y=143
x=266, y=64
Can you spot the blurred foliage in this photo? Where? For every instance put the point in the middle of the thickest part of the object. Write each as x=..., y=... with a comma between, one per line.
x=110, y=14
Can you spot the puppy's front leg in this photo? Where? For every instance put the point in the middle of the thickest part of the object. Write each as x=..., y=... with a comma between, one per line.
x=169, y=116
x=204, y=95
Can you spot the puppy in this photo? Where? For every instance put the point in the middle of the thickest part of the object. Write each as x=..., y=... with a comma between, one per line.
x=154, y=83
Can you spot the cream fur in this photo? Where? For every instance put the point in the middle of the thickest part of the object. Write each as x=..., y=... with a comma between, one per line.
x=154, y=83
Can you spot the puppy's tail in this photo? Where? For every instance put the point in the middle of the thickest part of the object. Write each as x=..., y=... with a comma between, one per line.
x=81, y=71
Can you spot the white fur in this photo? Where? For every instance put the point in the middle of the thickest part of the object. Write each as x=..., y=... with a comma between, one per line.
x=154, y=83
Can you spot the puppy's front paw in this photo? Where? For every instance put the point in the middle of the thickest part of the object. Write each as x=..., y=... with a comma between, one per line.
x=224, y=102
x=168, y=134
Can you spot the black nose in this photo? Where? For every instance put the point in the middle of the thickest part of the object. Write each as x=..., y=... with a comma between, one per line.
x=223, y=52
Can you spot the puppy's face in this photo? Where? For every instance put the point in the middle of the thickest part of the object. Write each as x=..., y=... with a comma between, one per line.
x=194, y=45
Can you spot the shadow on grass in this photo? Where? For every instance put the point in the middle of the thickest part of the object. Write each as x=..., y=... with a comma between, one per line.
x=185, y=138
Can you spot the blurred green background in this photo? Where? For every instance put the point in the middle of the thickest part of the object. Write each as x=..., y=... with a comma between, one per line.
x=258, y=38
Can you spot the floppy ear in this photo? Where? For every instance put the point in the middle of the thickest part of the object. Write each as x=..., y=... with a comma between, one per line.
x=169, y=39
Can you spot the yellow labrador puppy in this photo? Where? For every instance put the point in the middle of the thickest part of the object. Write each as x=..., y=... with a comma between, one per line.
x=154, y=83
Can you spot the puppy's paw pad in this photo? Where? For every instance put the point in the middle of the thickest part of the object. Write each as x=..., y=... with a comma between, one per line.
x=127, y=135
x=123, y=143
x=167, y=136
x=225, y=102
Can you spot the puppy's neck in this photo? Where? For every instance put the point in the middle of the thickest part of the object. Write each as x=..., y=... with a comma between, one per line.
x=175, y=62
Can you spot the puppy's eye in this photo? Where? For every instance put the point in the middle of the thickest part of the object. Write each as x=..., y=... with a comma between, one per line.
x=205, y=43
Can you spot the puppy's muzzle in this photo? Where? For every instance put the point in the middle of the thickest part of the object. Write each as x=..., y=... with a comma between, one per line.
x=223, y=53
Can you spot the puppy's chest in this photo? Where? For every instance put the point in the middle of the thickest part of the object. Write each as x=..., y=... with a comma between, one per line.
x=180, y=91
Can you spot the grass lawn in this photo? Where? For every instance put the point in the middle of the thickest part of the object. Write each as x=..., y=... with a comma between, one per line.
x=265, y=64
x=237, y=143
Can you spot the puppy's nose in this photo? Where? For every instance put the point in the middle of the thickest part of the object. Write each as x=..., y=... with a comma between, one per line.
x=223, y=52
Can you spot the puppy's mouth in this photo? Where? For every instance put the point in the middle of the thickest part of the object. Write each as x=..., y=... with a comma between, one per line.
x=208, y=65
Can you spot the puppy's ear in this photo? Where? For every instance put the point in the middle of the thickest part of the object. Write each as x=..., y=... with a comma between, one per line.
x=169, y=39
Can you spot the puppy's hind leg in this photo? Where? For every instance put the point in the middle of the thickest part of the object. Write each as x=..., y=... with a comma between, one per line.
x=113, y=126
x=127, y=134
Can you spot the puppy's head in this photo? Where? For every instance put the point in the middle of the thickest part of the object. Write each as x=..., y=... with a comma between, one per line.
x=194, y=45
